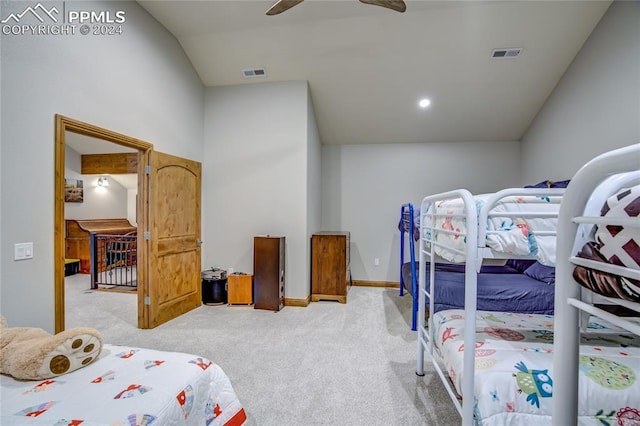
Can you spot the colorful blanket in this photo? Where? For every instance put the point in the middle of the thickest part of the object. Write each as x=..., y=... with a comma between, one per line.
x=514, y=368
x=508, y=235
x=126, y=386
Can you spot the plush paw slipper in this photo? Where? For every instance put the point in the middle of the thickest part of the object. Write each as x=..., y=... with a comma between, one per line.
x=32, y=354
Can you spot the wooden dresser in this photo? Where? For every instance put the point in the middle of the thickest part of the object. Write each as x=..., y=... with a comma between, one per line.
x=78, y=237
x=330, y=272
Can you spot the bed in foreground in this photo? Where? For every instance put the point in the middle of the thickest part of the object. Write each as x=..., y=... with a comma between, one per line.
x=126, y=386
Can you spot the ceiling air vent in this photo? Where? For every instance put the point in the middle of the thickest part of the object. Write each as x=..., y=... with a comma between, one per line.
x=254, y=72
x=513, y=52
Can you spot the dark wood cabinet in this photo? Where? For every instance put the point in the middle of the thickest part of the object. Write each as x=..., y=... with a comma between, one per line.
x=268, y=272
x=330, y=274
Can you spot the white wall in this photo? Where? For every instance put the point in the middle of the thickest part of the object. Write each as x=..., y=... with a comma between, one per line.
x=132, y=206
x=255, y=175
x=363, y=187
x=98, y=202
x=314, y=181
x=596, y=106
x=139, y=83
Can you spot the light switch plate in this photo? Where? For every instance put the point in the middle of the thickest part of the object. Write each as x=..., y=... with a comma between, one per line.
x=23, y=251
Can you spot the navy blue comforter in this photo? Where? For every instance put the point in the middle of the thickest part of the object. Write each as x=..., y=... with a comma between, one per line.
x=500, y=288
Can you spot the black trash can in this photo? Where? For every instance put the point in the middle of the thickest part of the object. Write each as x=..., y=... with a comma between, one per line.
x=214, y=287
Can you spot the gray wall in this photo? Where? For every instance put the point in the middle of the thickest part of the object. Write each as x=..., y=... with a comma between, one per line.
x=98, y=202
x=596, y=106
x=256, y=175
x=363, y=187
x=314, y=173
x=139, y=83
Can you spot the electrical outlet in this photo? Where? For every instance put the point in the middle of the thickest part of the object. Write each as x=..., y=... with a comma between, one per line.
x=376, y=262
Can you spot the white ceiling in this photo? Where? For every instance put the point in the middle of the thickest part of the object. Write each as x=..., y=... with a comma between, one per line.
x=368, y=66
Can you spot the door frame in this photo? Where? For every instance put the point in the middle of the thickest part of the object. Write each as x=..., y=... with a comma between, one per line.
x=65, y=124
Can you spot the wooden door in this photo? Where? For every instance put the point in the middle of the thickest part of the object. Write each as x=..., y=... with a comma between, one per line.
x=174, y=274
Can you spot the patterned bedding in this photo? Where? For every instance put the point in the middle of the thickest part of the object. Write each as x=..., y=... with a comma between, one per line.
x=406, y=225
x=617, y=245
x=508, y=235
x=126, y=386
x=514, y=369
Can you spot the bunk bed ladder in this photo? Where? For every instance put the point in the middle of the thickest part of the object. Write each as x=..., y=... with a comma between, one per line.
x=425, y=335
x=408, y=228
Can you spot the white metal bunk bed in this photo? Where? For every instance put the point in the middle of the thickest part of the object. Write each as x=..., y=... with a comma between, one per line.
x=473, y=255
x=465, y=218
x=577, y=215
x=427, y=250
x=509, y=214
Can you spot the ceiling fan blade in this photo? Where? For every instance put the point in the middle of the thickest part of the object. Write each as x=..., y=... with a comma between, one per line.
x=397, y=5
x=282, y=5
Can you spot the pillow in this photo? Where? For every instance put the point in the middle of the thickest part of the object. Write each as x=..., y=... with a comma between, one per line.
x=550, y=184
x=540, y=272
x=618, y=244
x=601, y=282
x=520, y=265
x=543, y=184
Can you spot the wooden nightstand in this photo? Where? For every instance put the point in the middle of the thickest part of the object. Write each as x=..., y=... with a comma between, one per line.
x=330, y=274
x=240, y=289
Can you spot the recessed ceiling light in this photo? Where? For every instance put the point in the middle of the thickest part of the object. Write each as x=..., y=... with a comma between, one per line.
x=424, y=103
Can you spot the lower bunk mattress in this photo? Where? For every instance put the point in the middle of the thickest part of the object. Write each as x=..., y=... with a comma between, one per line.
x=514, y=368
x=126, y=386
x=500, y=288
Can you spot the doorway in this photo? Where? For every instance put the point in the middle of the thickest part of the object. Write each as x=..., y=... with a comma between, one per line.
x=168, y=230
x=143, y=149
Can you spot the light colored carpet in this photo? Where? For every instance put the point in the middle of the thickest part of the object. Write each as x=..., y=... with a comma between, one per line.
x=326, y=364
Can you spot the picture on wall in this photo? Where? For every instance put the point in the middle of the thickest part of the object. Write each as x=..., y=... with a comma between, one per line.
x=73, y=191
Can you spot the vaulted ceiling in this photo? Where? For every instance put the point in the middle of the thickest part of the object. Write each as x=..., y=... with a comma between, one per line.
x=368, y=66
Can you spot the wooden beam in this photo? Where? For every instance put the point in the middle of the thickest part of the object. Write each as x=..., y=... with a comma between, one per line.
x=114, y=164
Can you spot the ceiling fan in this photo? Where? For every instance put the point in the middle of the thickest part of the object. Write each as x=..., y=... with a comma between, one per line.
x=282, y=5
